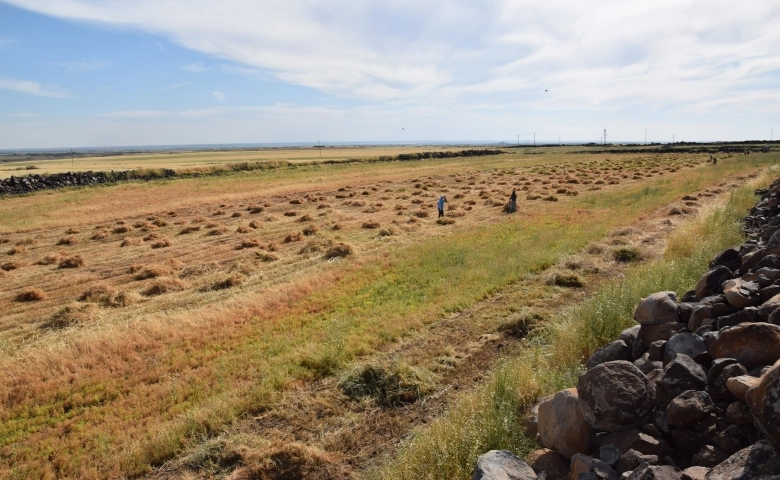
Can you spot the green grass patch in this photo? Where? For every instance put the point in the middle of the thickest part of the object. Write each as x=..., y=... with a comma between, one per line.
x=490, y=417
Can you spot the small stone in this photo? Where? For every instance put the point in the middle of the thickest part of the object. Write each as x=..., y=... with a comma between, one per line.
x=686, y=343
x=688, y=408
x=709, y=456
x=617, y=350
x=549, y=464
x=658, y=308
x=758, y=461
x=682, y=374
x=740, y=384
x=738, y=413
x=502, y=465
x=695, y=473
x=711, y=283
x=655, y=472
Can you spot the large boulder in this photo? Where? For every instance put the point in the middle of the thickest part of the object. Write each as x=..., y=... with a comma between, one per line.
x=759, y=461
x=562, y=424
x=751, y=344
x=616, y=395
x=711, y=283
x=766, y=308
x=502, y=465
x=658, y=308
x=655, y=472
x=741, y=294
x=764, y=402
x=728, y=258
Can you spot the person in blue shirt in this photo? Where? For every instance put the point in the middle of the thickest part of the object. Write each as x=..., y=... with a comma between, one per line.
x=440, y=204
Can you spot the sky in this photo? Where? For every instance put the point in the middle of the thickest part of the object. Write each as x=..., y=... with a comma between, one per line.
x=101, y=73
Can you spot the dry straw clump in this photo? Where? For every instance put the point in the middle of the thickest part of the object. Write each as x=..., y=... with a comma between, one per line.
x=162, y=243
x=8, y=266
x=224, y=283
x=151, y=271
x=106, y=296
x=128, y=242
x=75, y=261
x=73, y=315
x=164, y=285
x=190, y=229
x=266, y=257
x=339, y=250
x=30, y=294
x=69, y=240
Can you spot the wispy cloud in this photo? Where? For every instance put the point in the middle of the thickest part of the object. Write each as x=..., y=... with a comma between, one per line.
x=32, y=88
x=220, y=96
x=137, y=114
x=84, y=65
x=176, y=86
x=194, y=68
x=26, y=115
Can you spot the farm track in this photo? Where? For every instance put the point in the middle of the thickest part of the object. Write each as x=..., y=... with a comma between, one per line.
x=317, y=431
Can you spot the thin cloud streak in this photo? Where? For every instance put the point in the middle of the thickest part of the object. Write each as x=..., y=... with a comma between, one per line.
x=32, y=88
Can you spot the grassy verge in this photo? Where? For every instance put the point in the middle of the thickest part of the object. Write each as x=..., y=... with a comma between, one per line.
x=490, y=417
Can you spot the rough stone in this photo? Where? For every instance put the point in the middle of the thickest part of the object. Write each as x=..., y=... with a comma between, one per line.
x=740, y=384
x=630, y=335
x=728, y=258
x=764, y=402
x=741, y=294
x=549, y=464
x=751, y=344
x=656, y=351
x=731, y=439
x=653, y=333
x=738, y=413
x=655, y=472
x=709, y=456
x=694, y=473
x=699, y=313
x=686, y=343
x=502, y=465
x=687, y=443
x=711, y=283
x=616, y=395
x=658, y=308
x=746, y=315
x=617, y=350
x=768, y=307
x=682, y=374
x=562, y=424
x=688, y=408
x=772, y=246
x=719, y=385
x=759, y=461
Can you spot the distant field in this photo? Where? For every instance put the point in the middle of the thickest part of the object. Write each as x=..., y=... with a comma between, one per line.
x=199, y=159
x=139, y=317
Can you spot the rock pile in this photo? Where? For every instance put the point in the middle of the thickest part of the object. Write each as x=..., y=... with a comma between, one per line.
x=35, y=182
x=692, y=392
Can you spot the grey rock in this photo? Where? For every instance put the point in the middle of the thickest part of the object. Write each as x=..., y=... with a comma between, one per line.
x=752, y=344
x=728, y=258
x=746, y=315
x=764, y=402
x=655, y=472
x=658, y=308
x=686, y=343
x=502, y=465
x=617, y=350
x=695, y=473
x=709, y=456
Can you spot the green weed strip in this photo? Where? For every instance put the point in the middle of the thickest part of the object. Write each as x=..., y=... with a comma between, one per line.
x=493, y=416
x=104, y=414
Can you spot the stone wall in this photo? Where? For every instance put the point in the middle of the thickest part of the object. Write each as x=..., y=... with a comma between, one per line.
x=35, y=182
x=692, y=391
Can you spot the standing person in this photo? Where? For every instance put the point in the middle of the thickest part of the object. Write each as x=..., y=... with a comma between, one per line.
x=440, y=204
x=511, y=207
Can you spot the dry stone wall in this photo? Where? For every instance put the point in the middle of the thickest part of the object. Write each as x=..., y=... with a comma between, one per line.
x=691, y=392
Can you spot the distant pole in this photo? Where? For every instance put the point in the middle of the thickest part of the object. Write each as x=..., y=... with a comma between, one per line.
x=72, y=162
x=319, y=147
x=518, y=139
x=645, y=137
x=605, y=136
x=534, y=139
x=771, y=133
x=672, y=139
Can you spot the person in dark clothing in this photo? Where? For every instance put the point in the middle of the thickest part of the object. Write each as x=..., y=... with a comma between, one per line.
x=513, y=197
x=511, y=207
x=440, y=205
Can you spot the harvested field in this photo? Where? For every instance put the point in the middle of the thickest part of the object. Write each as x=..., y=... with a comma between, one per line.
x=149, y=346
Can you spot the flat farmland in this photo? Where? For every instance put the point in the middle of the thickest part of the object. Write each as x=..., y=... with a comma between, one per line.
x=140, y=319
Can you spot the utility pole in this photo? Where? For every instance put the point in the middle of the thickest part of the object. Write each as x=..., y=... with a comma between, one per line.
x=645, y=137
x=605, y=136
x=518, y=139
x=672, y=139
x=771, y=133
x=72, y=162
x=534, y=139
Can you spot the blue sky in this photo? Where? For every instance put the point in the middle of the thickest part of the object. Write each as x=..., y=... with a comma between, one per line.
x=78, y=73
